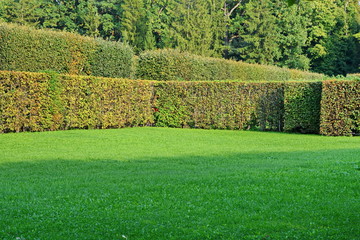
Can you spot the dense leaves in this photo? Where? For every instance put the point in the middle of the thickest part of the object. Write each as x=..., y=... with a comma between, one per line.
x=40, y=101
x=49, y=101
x=171, y=64
x=302, y=107
x=220, y=105
x=340, y=108
x=25, y=49
x=310, y=35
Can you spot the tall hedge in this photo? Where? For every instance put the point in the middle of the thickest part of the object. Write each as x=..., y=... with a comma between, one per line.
x=340, y=108
x=169, y=64
x=44, y=101
x=223, y=105
x=302, y=107
x=26, y=49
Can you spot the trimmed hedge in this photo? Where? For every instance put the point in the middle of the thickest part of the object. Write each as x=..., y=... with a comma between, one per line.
x=353, y=75
x=222, y=105
x=170, y=64
x=302, y=107
x=43, y=101
x=49, y=101
x=24, y=101
x=26, y=49
x=340, y=108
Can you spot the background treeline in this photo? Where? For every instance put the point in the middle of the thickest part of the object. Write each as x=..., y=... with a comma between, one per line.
x=320, y=36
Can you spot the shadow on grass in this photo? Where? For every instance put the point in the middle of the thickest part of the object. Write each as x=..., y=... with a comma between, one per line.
x=297, y=195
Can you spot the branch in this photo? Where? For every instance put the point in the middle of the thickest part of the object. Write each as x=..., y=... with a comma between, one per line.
x=234, y=8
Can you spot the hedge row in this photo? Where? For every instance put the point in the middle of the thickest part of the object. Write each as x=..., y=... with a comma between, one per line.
x=169, y=64
x=340, y=108
x=26, y=49
x=41, y=101
x=49, y=101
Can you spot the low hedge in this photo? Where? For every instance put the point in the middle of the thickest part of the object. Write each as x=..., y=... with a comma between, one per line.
x=340, y=108
x=170, y=64
x=302, y=107
x=222, y=105
x=48, y=101
x=26, y=49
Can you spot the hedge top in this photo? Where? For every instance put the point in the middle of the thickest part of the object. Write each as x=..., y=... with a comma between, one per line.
x=170, y=64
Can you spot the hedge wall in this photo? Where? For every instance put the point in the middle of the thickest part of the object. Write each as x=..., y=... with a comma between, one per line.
x=169, y=64
x=25, y=49
x=224, y=105
x=44, y=101
x=49, y=101
x=302, y=107
x=340, y=108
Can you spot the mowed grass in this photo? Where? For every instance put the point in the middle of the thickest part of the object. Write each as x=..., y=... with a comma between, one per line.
x=159, y=183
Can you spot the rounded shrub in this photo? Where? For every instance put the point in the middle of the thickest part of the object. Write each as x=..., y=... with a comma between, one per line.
x=26, y=49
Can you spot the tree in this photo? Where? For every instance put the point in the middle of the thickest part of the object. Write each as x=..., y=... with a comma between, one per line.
x=257, y=34
x=89, y=17
x=197, y=26
x=331, y=45
x=292, y=36
x=24, y=12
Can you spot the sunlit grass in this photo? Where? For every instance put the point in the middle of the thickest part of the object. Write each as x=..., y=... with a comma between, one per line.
x=158, y=183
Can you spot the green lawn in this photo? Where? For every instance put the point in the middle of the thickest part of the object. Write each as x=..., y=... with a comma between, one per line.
x=159, y=183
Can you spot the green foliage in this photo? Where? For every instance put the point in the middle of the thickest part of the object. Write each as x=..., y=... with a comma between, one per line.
x=112, y=59
x=259, y=33
x=90, y=18
x=22, y=12
x=221, y=105
x=310, y=35
x=26, y=49
x=170, y=64
x=197, y=26
x=48, y=101
x=331, y=45
x=24, y=101
x=302, y=107
x=340, y=104
x=51, y=101
x=132, y=26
